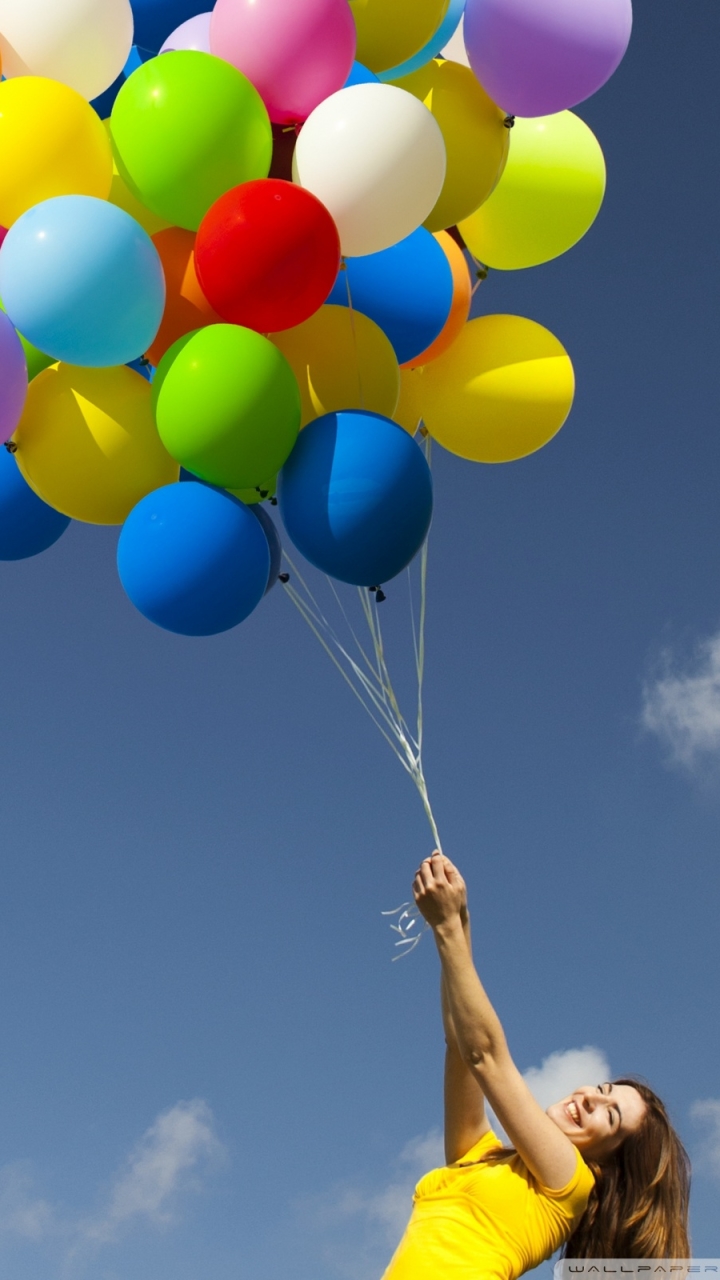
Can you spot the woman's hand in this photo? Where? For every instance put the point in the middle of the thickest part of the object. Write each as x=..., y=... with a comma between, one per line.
x=439, y=891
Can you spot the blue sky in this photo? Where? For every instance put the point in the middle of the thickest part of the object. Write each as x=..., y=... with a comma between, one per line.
x=208, y=1065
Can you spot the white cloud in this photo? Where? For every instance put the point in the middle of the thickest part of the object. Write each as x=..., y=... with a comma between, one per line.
x=163, y=1165
x=562, y=1072
x=707, y=1114
x=682, y=705
x=166, y=1163
x=22, y=1213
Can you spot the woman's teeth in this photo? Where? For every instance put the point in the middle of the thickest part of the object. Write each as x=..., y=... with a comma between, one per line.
x=573, y=1111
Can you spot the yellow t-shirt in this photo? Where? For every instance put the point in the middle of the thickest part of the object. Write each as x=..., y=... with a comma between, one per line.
x=486, y=1221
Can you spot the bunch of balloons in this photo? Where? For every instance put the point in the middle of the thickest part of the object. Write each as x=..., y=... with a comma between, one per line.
x=236, y=245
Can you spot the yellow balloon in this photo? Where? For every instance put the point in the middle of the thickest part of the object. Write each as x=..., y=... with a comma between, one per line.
x=476, y=139
x=122, y=196
x=391, y=31
x=87, y=442
x=501, y=391
x=342, y=360
x=52, y=143
x=408, y=413
x=547, y=198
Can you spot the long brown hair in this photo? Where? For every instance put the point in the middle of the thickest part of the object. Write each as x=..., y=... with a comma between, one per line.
x=639, y=1205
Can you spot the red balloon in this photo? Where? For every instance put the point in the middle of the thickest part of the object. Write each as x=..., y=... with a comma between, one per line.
x=267, y=255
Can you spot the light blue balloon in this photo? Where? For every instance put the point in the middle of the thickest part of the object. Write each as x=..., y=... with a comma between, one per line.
x=434, y=46
x=82, y=281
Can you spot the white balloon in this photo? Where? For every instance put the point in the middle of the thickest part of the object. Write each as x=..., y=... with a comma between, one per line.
x=375, y=157
x=454, y=50
x=83, y=43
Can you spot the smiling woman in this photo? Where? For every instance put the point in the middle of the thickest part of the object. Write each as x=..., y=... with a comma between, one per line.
x=601, y=1173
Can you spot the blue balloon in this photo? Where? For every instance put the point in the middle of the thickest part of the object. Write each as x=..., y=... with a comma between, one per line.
x=155, y=20
x=356, y=497
x=193, y=559
x=82, y=281
x=27, y=524
x=360, y=75
x=270, y=529
x=407, y=290
x=434, y=46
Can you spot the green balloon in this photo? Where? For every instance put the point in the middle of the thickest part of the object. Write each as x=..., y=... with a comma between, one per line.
x=185, y=128
x=227, y=405
x=260, y=492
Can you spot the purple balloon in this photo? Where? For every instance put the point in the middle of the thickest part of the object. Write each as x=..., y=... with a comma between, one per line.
x=536, y=57
x=193, y=34
x=13, y=378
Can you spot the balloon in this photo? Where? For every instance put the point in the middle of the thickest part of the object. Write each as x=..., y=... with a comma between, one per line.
x=122, y=196
x=476, y=138
x=265, y=489
x=193, y=560
x=433, y=46
x=192, y=34
x=267, y=254
x=461, y=301
x=13, y=379
x=82, y=43
x=501, y=391
x=186, y=127
x=389, y=34
x=408, y=414
x=341, y=361
x=375, y=157
x=83, y=281
x=548, y=197
x=356, y=497
x=269, y=528
x=186, y=307
x=27, y=525
x=455, y=50
x=295, y=54
x=87, y=443
x=227, y=405
x=536, y=57
x=51, y=144
x=360, y=75
x=407, y=290
x=156, y=19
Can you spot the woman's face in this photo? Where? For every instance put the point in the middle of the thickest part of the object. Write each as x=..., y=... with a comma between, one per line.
x=598, y=1117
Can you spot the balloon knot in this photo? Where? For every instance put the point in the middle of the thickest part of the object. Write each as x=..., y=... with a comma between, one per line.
x=509, y=122
x=424, y=432
x=273, y=502
x=11, y=446
x=481, y=273
x=283, y=577
x=380, y=595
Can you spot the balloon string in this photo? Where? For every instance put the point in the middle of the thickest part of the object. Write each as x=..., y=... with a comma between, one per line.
x=369, y=677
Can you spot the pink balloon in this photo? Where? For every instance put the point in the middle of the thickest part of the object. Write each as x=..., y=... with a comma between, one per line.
x=193, y=34
x=295, y=52
x=13, y=378
x=536, y=57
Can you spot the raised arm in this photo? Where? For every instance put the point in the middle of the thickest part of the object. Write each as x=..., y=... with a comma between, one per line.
x=465, y=1118
x=441, y=897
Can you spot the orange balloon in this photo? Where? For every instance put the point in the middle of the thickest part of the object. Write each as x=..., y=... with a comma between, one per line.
x=460, y=309
x=186, y=307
